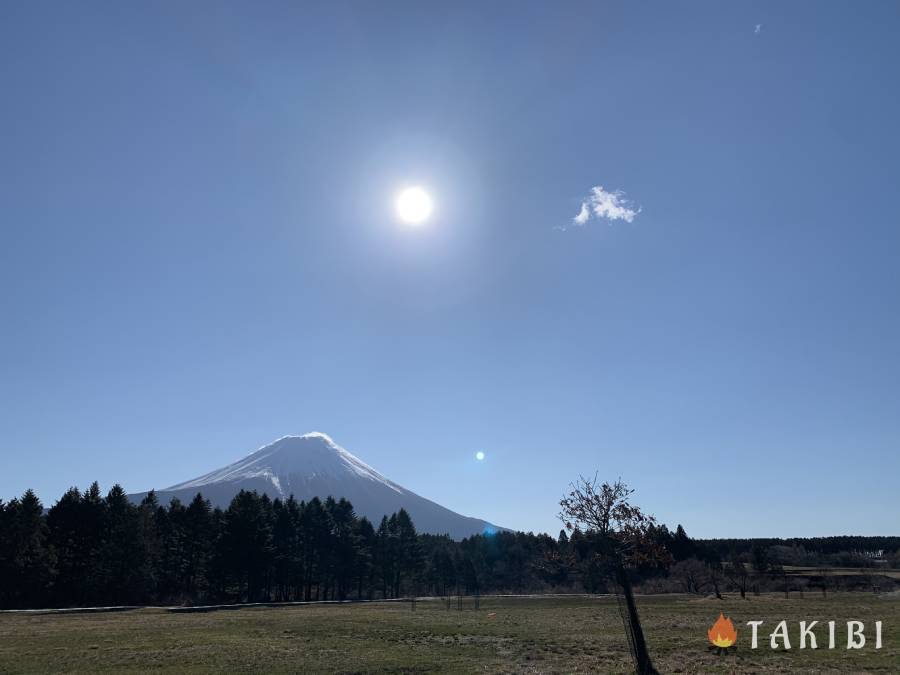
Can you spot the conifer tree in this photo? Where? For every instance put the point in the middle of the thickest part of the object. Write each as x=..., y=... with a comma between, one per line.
x=199, y=534
x=122, y=566
x=28, y=561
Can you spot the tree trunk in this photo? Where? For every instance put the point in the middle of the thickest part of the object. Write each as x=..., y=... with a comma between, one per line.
x=642, y=663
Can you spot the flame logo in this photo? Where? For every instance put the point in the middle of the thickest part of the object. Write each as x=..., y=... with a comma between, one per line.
x=722, y=634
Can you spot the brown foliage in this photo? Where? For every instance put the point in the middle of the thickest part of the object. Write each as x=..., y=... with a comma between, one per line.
x=603, y=512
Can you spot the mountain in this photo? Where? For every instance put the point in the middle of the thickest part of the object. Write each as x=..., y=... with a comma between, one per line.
x=313, y=465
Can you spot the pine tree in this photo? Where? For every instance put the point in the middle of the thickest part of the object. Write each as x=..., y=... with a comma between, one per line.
x=282, y=535
x=315, y=531
x=67, y=539
x=76, y=524
x=199, y=534
x=682, y=546
x=384, y=555
x=343, y=544
x=29, y=560
x=6, y=547
x=173, y=559
x=217, y=570
x=149, y=516
x=365, y=557
x=122, y=562
x=408, y=554
x=247, y=544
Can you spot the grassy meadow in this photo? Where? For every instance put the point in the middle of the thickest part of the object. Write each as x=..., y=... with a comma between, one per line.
x=506, y=635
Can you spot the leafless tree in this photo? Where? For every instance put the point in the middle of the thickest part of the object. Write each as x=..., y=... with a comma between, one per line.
x=777, y=571
x=739, y=575
x=619, y=535
x=716, y=575
x=691, y=574
x=824, y=582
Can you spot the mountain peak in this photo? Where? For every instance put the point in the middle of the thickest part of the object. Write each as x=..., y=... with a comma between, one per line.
x=311, y=435
x=313, y=465
x=310, y=441
x=292, y=459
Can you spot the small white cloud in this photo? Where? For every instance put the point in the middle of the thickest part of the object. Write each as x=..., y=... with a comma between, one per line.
x=602, y=203
x=583, y=215
x=611, y=205
x=758, y=29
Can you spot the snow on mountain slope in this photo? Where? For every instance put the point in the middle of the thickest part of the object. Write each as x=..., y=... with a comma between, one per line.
x=313, y=465
x=306, y=456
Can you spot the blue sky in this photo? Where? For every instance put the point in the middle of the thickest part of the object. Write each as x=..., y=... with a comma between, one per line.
x=199, y=251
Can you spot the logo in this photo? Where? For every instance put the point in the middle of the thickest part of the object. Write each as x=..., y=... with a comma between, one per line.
x=722, y=634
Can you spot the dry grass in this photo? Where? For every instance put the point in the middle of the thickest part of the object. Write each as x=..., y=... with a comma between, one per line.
x=552, y=635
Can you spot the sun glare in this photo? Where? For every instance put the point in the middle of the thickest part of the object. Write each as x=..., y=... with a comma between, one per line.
x=413, y=205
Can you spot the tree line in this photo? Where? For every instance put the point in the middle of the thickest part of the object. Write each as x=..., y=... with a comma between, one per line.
x=91, y=549
x=95, y=549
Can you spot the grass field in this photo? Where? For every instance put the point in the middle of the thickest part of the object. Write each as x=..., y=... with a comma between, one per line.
x=508, y=635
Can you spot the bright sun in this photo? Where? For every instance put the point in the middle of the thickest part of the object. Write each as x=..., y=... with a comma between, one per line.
x=413, y=205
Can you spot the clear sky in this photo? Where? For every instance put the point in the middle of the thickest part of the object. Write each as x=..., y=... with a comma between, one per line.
x=199, y=250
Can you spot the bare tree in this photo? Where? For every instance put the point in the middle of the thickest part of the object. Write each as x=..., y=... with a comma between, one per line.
x=777, y=571
x=824, y=582
x=618, y=533
x=716, y=575
x=691, y=574
x=739, y=575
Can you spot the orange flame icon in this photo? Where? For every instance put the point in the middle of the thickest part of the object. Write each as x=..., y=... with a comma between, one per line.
x=722, y=634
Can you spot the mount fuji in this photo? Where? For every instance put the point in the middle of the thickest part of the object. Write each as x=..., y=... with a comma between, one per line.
x=313, y=465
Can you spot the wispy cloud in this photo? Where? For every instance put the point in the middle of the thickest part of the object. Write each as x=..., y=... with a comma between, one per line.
x=583, y=215
x=603, y=204
x=758, y=29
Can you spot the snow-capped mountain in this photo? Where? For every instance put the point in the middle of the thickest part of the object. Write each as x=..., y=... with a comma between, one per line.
x=313, y=465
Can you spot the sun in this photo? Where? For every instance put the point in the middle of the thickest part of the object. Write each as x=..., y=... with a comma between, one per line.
x=413, y=205
x=479, y=456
